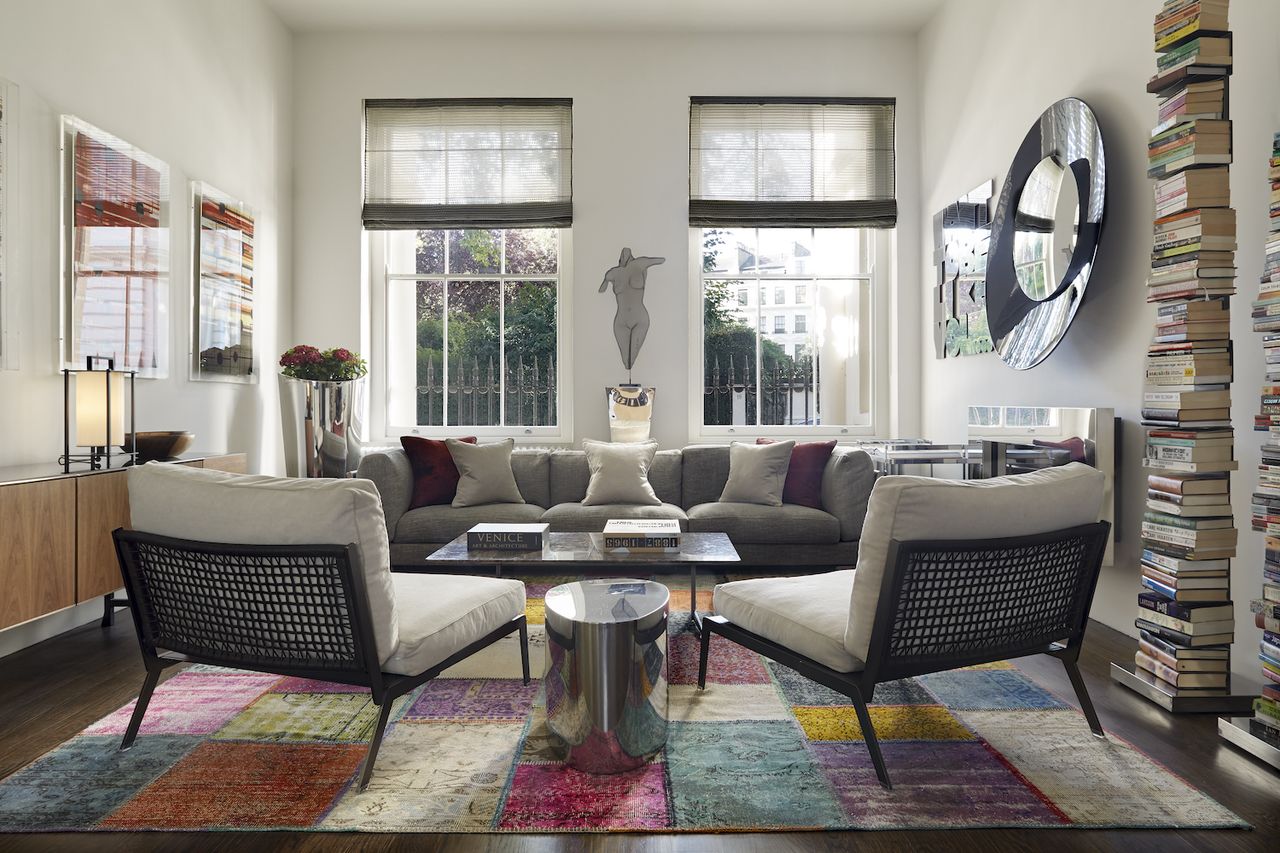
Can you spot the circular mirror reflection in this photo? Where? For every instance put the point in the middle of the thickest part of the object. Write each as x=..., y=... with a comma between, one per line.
x=1046, y=226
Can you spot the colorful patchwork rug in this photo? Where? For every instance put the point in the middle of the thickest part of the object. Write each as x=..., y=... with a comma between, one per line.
x=761, y=749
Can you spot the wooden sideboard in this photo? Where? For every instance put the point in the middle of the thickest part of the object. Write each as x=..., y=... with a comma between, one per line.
x=55, y=545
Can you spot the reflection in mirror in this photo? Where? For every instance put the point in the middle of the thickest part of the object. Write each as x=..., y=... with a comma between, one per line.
x=1046, y=226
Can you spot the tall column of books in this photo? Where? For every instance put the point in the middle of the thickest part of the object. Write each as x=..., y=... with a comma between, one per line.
x=1185, y=615
x=1260, y=734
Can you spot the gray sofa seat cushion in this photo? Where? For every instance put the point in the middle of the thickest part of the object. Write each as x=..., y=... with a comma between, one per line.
x=805, y=614
x=532, y=470
x=570, y=473
x=766, y=525
x=576, y=518
x=445, y=523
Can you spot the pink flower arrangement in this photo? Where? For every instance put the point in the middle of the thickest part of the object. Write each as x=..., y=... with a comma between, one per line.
x=332, y=365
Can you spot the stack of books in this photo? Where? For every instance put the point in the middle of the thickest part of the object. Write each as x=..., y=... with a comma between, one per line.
x=642, y=535
x=1185, y=615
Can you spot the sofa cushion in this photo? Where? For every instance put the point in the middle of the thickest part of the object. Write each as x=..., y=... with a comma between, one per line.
x=570, y=473
x=443, y=614
x=531, y=470
x=704, y=471
x=846, y=487
x=804, y=474
x=619, y=473
x=905, y=508
x=484, y=473
x=435, y=477
x=581, y=518
x=251, y=509
x=390, y=471
x=757, y=472
x=807, y=614
x=766, y=525
x=446, y=523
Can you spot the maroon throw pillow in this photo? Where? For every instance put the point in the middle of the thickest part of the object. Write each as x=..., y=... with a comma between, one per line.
x=803, y=485
x=435, y=477
x=1074, y=446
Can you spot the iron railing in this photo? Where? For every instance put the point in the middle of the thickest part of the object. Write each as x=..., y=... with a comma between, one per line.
x=474, y=395
x=787, y=394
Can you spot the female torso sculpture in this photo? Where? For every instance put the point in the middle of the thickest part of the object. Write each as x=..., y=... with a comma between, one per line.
x=631, y=322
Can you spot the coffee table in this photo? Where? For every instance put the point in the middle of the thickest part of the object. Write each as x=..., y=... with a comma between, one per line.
x=584, y=553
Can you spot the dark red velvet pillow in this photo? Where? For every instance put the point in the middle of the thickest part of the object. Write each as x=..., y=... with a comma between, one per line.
x=804, y=475
x=435, y=477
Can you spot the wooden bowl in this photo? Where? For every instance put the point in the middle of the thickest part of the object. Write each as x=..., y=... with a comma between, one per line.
x=160, y=445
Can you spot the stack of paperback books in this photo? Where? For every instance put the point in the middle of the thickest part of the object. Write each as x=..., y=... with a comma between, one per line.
x=1185, y=614
x=1265, y=724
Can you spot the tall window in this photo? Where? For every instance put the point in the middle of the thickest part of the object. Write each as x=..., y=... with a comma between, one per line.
x=472, y=199
x=793, y=196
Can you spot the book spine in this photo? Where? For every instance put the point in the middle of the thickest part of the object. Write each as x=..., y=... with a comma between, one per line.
x=504, y=541
x=648, y=543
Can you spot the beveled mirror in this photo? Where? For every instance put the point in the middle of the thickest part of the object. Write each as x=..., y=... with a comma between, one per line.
x=1045, y=233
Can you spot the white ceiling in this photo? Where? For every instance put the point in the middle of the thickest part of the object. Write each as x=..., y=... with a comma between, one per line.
x=700, y=16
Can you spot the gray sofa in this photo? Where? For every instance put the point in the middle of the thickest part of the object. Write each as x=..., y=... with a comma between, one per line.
x=688, y=481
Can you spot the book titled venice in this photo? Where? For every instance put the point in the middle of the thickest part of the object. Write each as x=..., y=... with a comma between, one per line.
x=506, y=537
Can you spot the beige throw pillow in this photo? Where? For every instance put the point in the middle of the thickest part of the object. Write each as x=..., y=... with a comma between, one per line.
x=484, y=473
x=757, y=473
x=620, y=473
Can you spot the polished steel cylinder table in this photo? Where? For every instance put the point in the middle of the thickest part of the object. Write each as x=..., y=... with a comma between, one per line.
x=606, y=672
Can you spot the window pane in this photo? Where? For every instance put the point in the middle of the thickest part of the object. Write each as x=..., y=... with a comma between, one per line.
x=836, y=251
x=530, y=313
x=475, y=252
x=430, y=352
x=784, y=251
x=727, y=251
x=729, y=355
x=531, y=251
x=429, y=253
x=473, y=380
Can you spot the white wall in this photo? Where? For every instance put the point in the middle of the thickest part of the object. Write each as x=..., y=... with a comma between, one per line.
x=204, y=87
x=630, y=177
x=987, y=70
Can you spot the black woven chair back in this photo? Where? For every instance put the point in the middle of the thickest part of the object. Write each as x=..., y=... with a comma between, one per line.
x=290, y=609
x=956, y=603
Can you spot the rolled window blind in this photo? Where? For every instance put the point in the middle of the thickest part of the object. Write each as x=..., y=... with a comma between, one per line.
x=476, y=163
x=804, y=162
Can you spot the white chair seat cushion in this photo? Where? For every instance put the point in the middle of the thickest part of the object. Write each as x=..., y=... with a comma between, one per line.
x=912, y=508
x=253, y=509
x=807, y=614
x=443, y=614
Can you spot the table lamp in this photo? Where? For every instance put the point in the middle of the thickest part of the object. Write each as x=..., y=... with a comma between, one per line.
x=99, y=414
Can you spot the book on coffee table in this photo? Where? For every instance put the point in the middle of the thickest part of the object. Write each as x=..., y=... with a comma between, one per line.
x=507, y=537
x=642, y=535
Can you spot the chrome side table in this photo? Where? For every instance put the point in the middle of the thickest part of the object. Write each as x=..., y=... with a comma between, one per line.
x=606, y=672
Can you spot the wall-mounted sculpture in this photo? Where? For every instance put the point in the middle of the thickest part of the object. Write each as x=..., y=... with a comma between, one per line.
x=1045, y=233
x=962, y=231
x=631, y=322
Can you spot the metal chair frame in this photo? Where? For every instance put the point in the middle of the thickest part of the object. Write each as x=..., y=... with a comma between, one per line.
x=930, y=575
x=329, y=616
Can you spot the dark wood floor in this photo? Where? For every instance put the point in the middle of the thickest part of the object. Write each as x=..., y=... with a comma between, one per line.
x=53, y=690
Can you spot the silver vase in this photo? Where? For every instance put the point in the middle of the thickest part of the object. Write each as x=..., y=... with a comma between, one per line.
x=320, y=436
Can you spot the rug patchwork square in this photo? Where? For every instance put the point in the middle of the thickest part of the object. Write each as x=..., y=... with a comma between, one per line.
x=760, y=749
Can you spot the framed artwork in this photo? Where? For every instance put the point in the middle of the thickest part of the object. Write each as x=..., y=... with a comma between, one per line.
x=8, y=189
x=222, y=299
x=115, y=252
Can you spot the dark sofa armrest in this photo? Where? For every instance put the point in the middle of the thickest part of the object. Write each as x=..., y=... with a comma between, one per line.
x=390, y=472
x=846, y=488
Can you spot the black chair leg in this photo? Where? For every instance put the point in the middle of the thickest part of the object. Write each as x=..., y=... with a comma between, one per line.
x=869, y=736
x=704, y=649
x=1086, y=704
x=140, y=708
x=375, y=742
x=524, y=649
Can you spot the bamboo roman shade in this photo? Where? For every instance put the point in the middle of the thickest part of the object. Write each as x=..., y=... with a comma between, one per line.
x=473, y=163
x=806, y=162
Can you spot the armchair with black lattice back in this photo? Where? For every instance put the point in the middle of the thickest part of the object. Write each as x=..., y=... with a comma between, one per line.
x=949, y=574
x=292, y=577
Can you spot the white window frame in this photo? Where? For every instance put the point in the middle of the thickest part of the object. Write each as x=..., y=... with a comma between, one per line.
x=1053, y=428
x=880, y=274
x=380, y=277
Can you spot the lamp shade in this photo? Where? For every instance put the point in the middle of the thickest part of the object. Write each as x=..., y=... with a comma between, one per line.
x=92, y=387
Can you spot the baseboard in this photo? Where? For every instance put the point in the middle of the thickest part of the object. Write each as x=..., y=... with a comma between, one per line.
x=44, y=627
